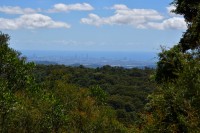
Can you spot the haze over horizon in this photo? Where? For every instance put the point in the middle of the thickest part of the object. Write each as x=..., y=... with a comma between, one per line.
x=100, y=25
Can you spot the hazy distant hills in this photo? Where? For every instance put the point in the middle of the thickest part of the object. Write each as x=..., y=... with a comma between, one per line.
x=93, y=59
x=45, y=62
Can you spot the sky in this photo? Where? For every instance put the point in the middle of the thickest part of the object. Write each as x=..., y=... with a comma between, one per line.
x=90, y=25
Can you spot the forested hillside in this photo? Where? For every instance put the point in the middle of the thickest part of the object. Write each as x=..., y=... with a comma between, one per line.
x=63, y=99
x=51, y=106
x=57, y=98
x=126, y=89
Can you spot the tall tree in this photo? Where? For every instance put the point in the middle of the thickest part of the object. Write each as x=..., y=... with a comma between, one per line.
x=190, y=9
x=174, y=107
x=13, y=67
x=14, y=77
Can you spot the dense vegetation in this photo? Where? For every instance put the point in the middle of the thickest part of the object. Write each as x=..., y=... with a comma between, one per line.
x=57, y=98
x=50, y=106
x=126, y=89
x=174, y=106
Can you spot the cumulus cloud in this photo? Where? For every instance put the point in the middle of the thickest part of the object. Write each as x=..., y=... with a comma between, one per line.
x=17, y=10
x=71, y=7
x=124, y=15
x=31, y=21
x=138, y=18
x=171, y=23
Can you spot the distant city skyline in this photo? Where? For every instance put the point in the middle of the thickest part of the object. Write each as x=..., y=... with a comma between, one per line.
x=100, y=25
x=93, y=59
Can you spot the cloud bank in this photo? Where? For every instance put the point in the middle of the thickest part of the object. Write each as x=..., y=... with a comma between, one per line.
x=17, y=10
x=31, y=21
x=124, y=15
x=138, y=18
x=30, y=18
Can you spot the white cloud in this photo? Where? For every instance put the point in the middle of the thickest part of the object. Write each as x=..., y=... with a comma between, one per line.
x=17, y=10
x=124, y=15
x=171, y=23
x=138, y=18
x=93, y=19
x=8, y=24
x=120, y=7
x=31, y=21
x=71, y=7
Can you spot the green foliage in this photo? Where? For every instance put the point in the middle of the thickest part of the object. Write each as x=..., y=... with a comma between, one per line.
x=99, y=94
x=190, y=9
x=51, y=104
x=14, y=77
x=174, y=106
x=170, y=63
x=125, y=90
x=13, y=67
x=58, y=99
x=67, y=108
x=191, y=38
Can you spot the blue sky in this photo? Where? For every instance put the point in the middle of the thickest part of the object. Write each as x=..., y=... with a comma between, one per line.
x=90, y=25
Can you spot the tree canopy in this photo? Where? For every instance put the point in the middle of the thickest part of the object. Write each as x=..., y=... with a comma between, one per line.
x=190, y=9
x=13, y=67
x=57, y=98
x=173, y=107
x=55, y=106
